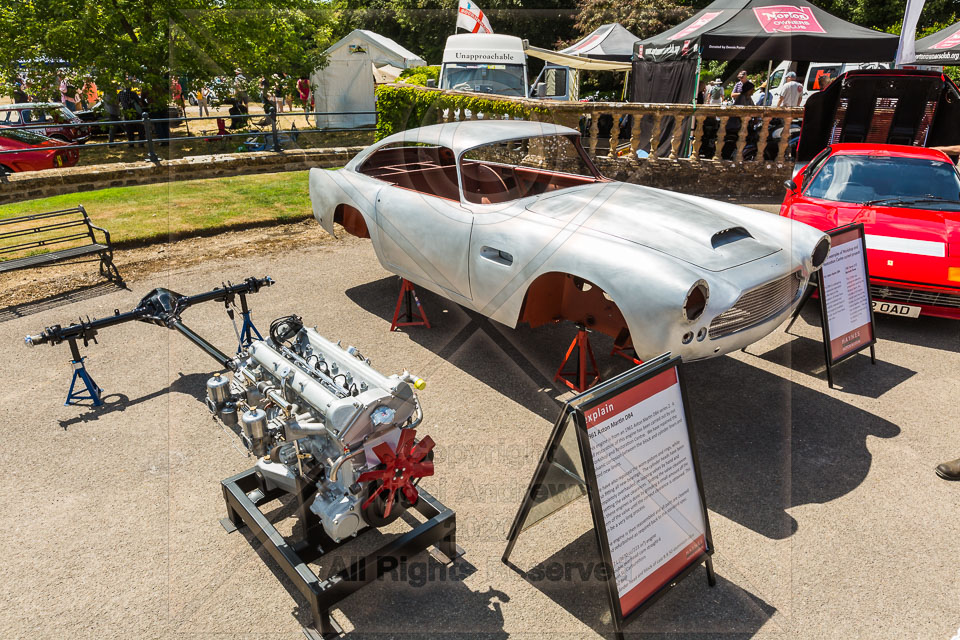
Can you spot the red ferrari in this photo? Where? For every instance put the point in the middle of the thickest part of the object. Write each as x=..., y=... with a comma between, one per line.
x=908, y=199
x=33, y=151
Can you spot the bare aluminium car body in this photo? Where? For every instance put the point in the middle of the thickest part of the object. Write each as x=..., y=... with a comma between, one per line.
x=680, y=273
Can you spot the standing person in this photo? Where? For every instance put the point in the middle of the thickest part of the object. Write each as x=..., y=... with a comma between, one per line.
x=715, y=92
x=240, y=90
x=738, y=87
x=176, y=94
x=68, y=94
x=131, y=108
x=303, y=90
x=19, y=94
x=203, y=93
x=112, y=108
x=278, y=92
x=89, y=93
x=763, y=96
x=791, y=93
x=264, y=94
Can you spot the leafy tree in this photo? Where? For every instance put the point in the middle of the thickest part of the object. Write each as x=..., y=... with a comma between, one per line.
x=150, y=40
x=883, y=15
x=423, y=26
x=643, y=18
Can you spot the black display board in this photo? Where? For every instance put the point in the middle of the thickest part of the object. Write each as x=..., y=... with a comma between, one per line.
x=846, y=308
x=628, y=445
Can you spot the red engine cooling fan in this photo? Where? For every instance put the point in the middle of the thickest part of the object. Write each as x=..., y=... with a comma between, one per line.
x=398, y=470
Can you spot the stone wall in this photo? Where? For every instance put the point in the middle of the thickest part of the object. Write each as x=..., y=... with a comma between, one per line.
x=40, y=184
x=746, y=180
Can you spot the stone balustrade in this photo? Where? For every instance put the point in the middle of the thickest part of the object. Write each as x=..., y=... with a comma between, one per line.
x=704, y=149
x=609, y=128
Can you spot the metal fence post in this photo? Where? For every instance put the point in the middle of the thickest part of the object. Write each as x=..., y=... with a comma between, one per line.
x=148, y=130
x=276, y=139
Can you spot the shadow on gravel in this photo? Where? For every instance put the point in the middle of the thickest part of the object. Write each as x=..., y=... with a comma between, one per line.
x=193, y=384
x=856, y=375
x=691, y=609
x=84, y=293
x=766, y=444
x=394, y=605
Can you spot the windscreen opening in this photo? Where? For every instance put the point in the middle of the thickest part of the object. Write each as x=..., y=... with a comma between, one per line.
x=500, y=79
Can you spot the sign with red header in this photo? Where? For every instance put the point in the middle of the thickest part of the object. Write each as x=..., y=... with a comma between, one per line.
x=785, y=18
x=846, y=309
x=638, y=466
x=845, y=294
x=642, y=458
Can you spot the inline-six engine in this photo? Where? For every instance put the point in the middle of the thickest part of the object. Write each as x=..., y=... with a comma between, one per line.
x=308, y=408
x=323, y=423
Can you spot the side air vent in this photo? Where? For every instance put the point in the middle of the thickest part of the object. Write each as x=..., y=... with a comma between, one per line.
x=728, y=236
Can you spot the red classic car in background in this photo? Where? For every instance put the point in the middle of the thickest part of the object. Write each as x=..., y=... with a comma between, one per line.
x=52, y=114
x=908, y=199
x=33, y=151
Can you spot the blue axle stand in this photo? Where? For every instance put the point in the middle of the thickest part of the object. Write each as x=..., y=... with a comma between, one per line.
x=90, y=390
x=247, y=331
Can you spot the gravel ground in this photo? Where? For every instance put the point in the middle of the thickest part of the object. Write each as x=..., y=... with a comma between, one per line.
x=827, y=517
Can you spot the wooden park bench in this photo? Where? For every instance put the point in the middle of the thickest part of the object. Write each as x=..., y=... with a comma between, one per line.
x=24, y=240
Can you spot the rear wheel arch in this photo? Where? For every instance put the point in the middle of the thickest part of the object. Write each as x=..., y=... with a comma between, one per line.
x=351, y=220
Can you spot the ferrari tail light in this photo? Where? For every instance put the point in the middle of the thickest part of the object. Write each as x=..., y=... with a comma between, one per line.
x=953, y=274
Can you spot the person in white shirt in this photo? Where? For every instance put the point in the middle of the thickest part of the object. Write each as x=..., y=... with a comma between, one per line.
x=792, y=92
x=715, y=92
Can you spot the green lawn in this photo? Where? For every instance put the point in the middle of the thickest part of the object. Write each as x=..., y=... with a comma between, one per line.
x=157, y=211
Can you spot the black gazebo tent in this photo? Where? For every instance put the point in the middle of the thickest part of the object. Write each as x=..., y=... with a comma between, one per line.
x=940, y=48
x=749, y=30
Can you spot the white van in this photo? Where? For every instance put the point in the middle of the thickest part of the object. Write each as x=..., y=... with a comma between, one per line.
x=485, y=63
x=814, y=76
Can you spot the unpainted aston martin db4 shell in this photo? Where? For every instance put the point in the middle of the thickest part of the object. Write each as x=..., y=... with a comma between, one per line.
x=680, y=273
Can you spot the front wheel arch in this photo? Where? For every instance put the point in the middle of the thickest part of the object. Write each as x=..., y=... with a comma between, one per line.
x=556, y=296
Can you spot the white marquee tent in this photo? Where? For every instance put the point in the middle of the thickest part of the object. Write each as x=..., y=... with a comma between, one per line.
x=346, y=83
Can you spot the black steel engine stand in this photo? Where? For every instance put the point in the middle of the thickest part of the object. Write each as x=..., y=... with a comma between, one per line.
x=246, y=492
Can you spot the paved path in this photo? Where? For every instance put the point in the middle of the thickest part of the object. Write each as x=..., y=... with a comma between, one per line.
x=827, y=517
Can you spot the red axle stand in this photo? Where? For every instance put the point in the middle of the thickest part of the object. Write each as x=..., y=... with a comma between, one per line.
x=623, y=347
x=408, y=297
x=577, y=379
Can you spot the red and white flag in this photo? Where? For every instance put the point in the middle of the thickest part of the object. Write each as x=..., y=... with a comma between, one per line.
x=471, y=18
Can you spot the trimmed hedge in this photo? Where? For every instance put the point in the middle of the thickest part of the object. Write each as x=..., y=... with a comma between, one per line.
x=401, y=108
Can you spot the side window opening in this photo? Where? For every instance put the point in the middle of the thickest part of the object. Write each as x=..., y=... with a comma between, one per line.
x=425, y=168
x=513, y=169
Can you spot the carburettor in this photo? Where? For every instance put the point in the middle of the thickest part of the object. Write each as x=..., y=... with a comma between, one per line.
x=313, y=412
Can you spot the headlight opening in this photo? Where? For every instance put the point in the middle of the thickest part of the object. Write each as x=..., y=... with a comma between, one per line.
x=696, y=302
